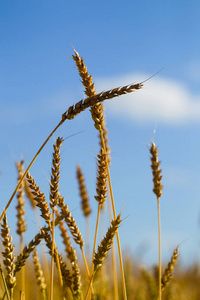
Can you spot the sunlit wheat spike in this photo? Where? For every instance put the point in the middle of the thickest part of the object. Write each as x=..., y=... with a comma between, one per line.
x=83, y=193
x=21, y=222
x=55, y=170
x=39, y=198
x=101, y=178
x=96, y=110
x=39, y=273
x=65, y=212
x=80, y=106
x=155, y=166
x=106, y=243
x=83, y=72
x=169, y=270
x=8, y=254
x=21, y=259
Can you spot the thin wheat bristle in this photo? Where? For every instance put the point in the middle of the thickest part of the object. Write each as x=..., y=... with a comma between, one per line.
x=106, y=243
x=39, y=198
x=83, y=193
x=39, y=273
x=54, y=186
x=155, y=166
x=21, y=222
x=65, y=212
x=101, y=178
x=169, y=270
x=8, y=254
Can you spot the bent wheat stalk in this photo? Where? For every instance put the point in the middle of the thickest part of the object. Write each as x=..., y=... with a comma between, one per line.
x=69, y=115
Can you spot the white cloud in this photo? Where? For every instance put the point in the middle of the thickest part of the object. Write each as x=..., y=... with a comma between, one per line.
x=160, y=100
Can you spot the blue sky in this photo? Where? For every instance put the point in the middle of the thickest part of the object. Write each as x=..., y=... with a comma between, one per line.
x=121, y=43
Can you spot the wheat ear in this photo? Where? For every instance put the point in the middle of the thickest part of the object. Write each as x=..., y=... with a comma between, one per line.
x=101, y=193
x=39, y=275
x=155, y=166
x=85, y=204
x=21, y=259
x=103, y=248
x=71, y=255
x=8, y=255
x=39, y=198
x=169, y=270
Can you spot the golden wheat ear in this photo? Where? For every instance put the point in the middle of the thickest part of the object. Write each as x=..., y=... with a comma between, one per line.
x=8, y=256
x=169, y=270
x=85, y=204
x=106, y=243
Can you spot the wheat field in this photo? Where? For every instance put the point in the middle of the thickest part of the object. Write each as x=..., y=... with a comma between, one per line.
x=41, y=270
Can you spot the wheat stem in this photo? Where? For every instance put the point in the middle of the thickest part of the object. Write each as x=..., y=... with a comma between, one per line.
x=4, y=283
x=159, y=248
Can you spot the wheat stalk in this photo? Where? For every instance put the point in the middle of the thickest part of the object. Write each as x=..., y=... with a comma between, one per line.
x=70, y=114
x=155, y=166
